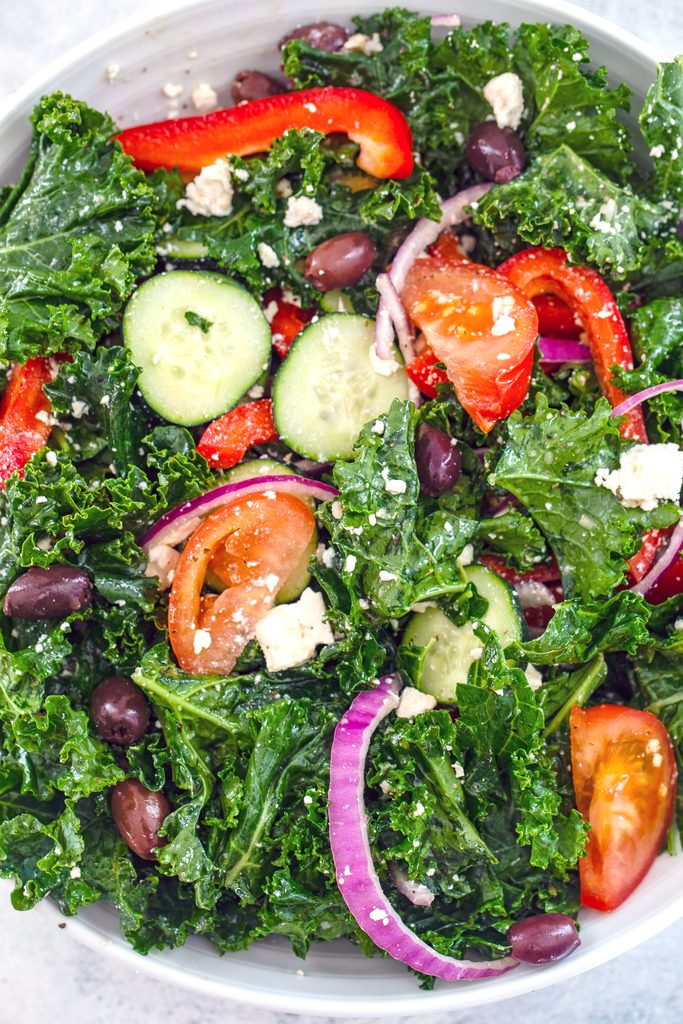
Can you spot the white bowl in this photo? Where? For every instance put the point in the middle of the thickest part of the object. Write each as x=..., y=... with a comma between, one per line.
x=228, y=35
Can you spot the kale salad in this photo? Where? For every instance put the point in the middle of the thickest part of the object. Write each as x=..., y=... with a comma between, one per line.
x=340, y=449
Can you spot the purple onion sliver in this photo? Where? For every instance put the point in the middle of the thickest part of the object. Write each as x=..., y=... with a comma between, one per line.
x=417, y=893
x=663, y=562
x=398, y=316
x=560, y=350
x=643, y=396
x=445, y=20
x=356, y=876
x=187, y=513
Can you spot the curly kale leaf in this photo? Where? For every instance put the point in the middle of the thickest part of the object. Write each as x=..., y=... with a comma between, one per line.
x=549, y=462
x=661, y=122
x=75, y=233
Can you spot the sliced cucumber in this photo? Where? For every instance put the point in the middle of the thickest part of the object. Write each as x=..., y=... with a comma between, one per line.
x=328, y=388
x=336, y=302
x=299, y=578
x=200, y=340
x=256, y=467
x=450, y=650
x=183, y=249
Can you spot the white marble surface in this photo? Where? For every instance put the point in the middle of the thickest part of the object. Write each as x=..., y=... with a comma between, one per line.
x=45, y=976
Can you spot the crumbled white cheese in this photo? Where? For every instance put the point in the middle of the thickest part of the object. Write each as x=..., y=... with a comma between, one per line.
x=506, y=96
x=308, y=800
x=202, y=640
x=647, y=474
x=385, y=576
x=290, y=633
x=657, y=151
x=533, y=677
x=112, y=72
x=571, y=125
x=172, y=90
x=210, y=193
x=459, y=770
x=466, y=556
x=78, y=408
x=419, y=809
x=283, y=189
x=302, y=210
x=378, y=914
x=204, y=97
x=269, y=258
x=603, y=219
x=360, y=43
x=384, y=367
x=414, y=702
x=51, y=458
x=337, y=509
x=350, y=563
x=678, y=623
x=75, y=872
x=378, y=427
x=393, y=486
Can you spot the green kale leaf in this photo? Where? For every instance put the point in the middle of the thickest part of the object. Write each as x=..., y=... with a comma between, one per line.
x=75, y=233
x=661, y=122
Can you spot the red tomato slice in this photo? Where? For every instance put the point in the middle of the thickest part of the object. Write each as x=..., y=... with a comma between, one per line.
x=624, y=772
x=555, y=318
x=480, y=327
x=257, y=542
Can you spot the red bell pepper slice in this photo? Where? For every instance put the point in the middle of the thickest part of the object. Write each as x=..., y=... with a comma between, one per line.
x=555, y=318
x=548, y=271
x=287, y=321
x=190, y=143
x=425, y=374
x=25, y=415
x=225, y=442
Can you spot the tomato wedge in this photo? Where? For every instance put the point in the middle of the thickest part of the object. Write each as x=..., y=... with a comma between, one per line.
x=25, y=411
x=624, y=772
x=480, y=327
x=255, y=543
x=425, y=374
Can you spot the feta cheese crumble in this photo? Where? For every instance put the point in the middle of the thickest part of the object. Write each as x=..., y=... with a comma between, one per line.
x=204, y=97
x=414, y=702
x=301, y=210
x=289, y=634
x=384, y=367
x=269, y=258
x=647, y=474
x=172, y=90
x=503, y=322
x=533, y=677
x=202, y=640
x=210, y=193
x=360, y=43
x=506, y=96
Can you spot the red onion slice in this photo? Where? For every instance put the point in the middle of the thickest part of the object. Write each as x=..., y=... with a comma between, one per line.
x=398, y=316
x=178, y=523
x=423, y=234
x=672, y=551
x=643, y=396
x=418, y=894
x=445, y=20
x=560, y=350
x=356, y=875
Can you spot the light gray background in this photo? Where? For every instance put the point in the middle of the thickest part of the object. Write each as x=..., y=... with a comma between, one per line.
x=45, y=977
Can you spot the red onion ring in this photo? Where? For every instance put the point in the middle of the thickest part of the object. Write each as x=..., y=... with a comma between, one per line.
x=405, y=331
x=673, y=549
x=418, y=894
x=423, y=234
x=356, y=875
x=560, y=350
x=643, y=396
x=178, y=523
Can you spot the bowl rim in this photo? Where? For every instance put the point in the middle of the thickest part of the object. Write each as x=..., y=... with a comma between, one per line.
x=165, y=969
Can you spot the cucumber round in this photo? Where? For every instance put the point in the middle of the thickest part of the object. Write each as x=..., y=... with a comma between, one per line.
x=183, y=249
x=328, y=387
x=336, y=302
x=256, y=467
x=200, y=340
x=450, y=650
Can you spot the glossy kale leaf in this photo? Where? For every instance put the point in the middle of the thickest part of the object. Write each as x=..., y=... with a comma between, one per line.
x=661, y=122
x=75, y=233
x=514, y=536
x=549, y=462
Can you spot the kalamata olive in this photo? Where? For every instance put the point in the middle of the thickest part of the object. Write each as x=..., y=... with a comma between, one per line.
x=340, y=261
x=323, y=35
x=496, y=153
x=139, y=814
x=438, y=461
x=254, y=85
x=119, y=710
x=51, y=593
x=543, y=938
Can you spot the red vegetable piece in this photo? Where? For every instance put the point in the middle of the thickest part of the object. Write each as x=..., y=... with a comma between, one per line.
x=225, y=442
x=555, y=318
x=24, y=415
x=288, y=321
x=190, y=143
x=425, y=374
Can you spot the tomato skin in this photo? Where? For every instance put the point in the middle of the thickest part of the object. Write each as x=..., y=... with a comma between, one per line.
x=555, y=318
x=288, y=321
x=425, y=374
x=258, y=541
x=225, y=442
x=21, y=433
x=454, y=303
x=669, y=584
x=624, y=772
